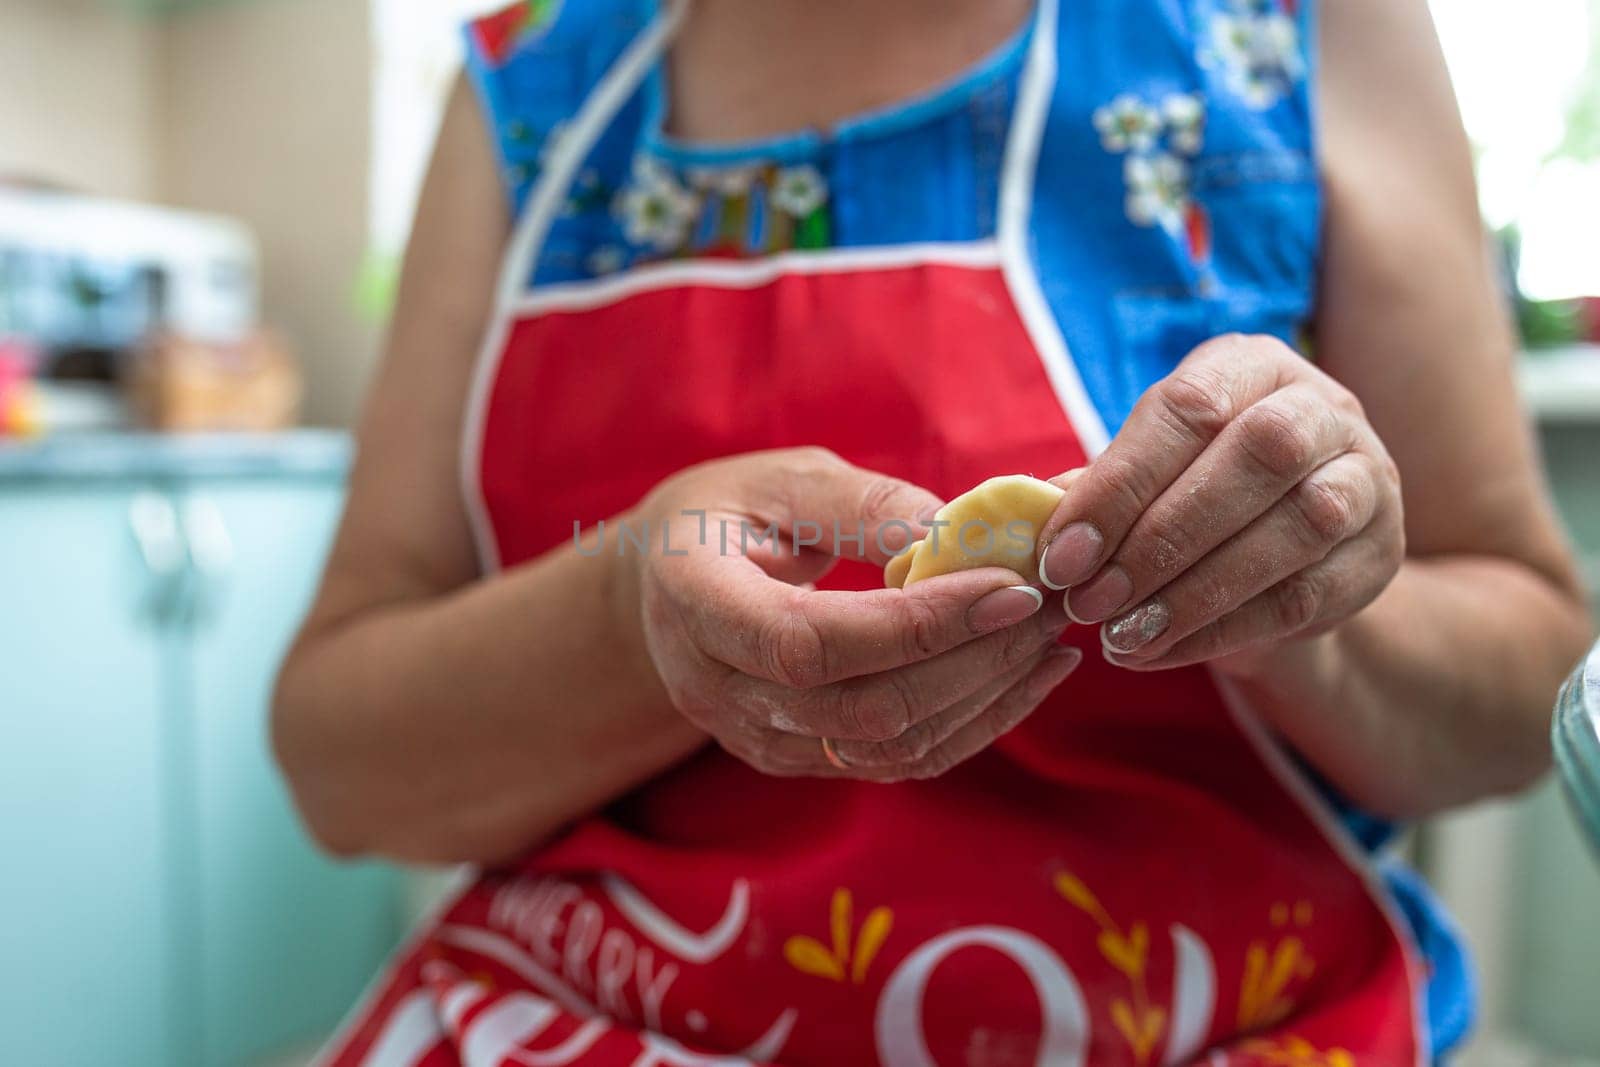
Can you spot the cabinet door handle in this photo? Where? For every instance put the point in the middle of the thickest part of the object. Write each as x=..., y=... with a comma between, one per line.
x=210, y=550
x=154, y=523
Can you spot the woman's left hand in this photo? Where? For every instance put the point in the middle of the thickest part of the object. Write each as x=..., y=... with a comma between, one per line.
x=1245, y=503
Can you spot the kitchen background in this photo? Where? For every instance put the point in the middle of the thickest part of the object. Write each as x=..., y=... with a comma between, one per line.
x=242, y=176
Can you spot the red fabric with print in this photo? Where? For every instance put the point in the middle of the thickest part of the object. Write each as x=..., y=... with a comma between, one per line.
x=1131, y=877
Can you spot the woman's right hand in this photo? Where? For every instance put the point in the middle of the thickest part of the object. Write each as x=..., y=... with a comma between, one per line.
x=900, y=683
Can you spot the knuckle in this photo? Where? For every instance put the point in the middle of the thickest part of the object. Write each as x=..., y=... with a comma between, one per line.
x=1196, y=400
x=793, y=652
x=750, y=753
x=921, y=626
x=910, y=747
x=1209, y=593
x=880, y=712
x=1298, y=603
x=1383, y=470
x=1325, y=512
x=709, y=698
x=811, y=457
x=878, y=497
x=1160, y=549
x=933, y=765
x=1276, y=439
x=1016, y=645
x=1343, y=399
x=1127, y=482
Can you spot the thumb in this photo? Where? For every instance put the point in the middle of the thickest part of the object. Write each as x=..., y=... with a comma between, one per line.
x=854, y=513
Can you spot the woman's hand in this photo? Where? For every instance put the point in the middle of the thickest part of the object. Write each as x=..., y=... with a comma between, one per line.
x=900, y=683
x=1247, y=502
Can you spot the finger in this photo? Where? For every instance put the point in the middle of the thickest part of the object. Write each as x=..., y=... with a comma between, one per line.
x=892, y=704
x=1335, y=503
x=820, y=501
x=791, y=563
x=1168, y=429
x=1007, y=705
x=804, y=638
x=1302, y=605
x=799, y=752
x=999, y=719
x=921, y=740
x=1272, y=447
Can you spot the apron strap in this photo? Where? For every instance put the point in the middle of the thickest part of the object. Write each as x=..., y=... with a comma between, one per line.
x=573, y=147
x=1029, y=125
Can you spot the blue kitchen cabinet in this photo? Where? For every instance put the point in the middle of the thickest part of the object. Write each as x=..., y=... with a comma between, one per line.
x=85, y=820
x=314, y=932
x=164, y=906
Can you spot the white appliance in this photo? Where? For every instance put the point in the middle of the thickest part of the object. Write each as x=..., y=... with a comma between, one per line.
x=83, y=272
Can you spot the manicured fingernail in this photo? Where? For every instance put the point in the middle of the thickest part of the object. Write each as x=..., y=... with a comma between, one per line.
x=1070, y=558
x=1004, y=607
x=1132, y=631
x=1103, y=597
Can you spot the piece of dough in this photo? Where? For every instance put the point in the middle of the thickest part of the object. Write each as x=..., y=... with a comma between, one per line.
x=995, y=525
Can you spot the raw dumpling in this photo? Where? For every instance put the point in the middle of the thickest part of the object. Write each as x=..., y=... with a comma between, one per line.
x=995, y=525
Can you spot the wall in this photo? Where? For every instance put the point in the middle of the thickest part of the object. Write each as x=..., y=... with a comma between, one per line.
x=267, y=118
x=79, y=97
x=259, y=109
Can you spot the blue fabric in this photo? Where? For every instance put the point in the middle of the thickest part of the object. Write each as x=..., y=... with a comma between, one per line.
x=1135, y=279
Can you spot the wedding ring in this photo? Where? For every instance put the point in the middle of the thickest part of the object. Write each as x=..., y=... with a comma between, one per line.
x=833, y=757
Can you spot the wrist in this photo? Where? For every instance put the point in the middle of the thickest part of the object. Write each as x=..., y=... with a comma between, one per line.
x=1299, y=672
x=621, y=592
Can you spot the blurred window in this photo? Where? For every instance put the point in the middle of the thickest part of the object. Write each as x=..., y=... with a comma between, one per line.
x=1528, y=78
x=417, y=46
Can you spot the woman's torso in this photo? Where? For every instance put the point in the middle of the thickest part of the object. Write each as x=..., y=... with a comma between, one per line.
x=979, y=282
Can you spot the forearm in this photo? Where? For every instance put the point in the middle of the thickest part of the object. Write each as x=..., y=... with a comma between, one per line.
x=468, y=727
x=1438, y=693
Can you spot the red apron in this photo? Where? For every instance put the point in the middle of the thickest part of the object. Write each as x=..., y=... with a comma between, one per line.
x=1134, y=876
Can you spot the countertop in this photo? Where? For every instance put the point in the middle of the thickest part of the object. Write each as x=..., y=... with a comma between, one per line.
x=1562, y=385
x=131, y=456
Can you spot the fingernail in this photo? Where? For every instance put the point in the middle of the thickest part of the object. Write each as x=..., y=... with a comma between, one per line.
x=1004, y=607
x=1137, y=628
x=1069, y=559
x=1103, y=596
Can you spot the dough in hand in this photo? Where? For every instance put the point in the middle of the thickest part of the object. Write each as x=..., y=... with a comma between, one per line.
x=995, y=525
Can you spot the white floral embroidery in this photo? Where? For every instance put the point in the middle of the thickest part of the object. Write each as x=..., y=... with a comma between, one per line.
x=607, y=259
x=1158, y=190
x=656, y=210
x=799, y=190
x=1156, y=138
x=724, y=181
x=1185, y=117
x=1257, y=47
x=1127, y=123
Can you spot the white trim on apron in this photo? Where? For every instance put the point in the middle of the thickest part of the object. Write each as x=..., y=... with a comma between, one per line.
x=1008, y=251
